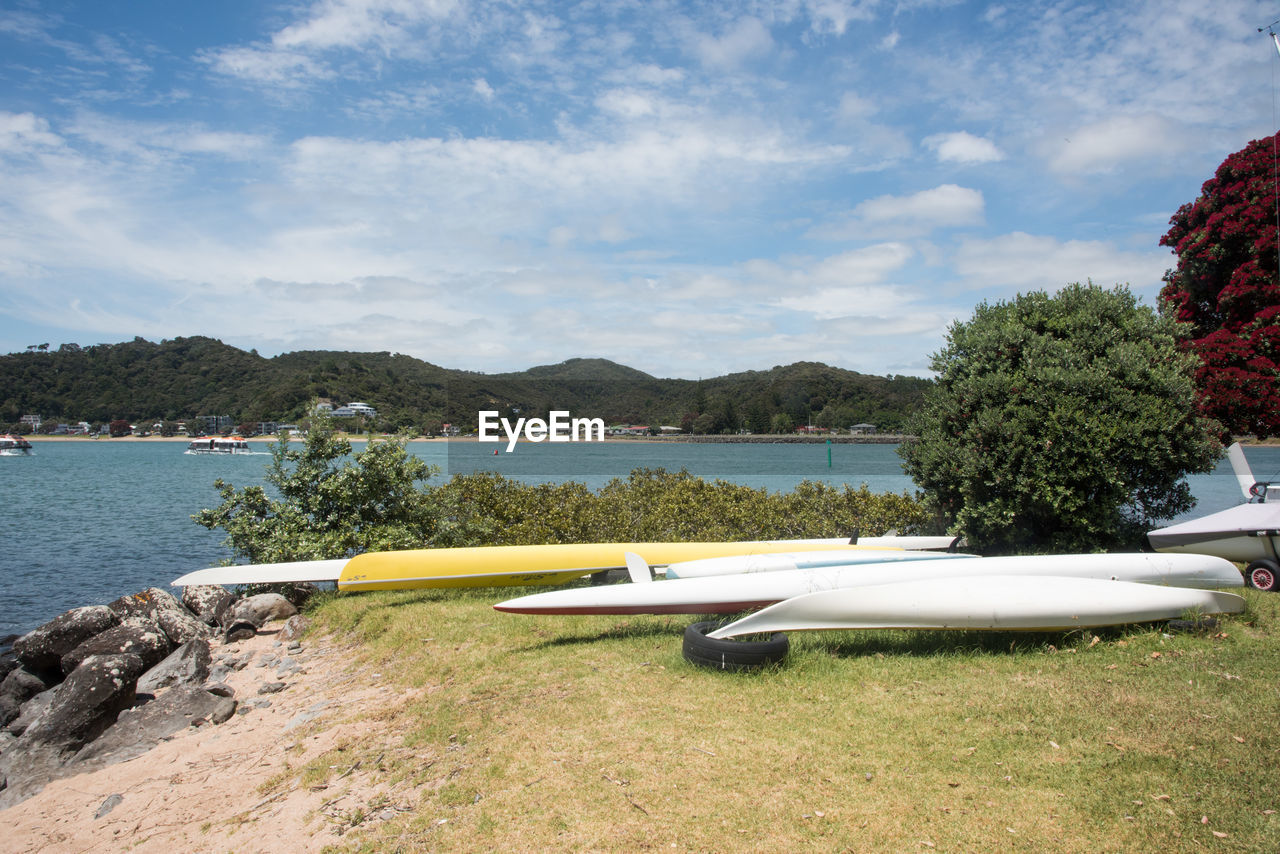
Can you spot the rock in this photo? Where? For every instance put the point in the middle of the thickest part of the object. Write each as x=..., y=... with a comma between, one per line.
x=208, y=602
x=187, y=664
x=136, y=635
x=239, y=630
x=294, y=628
x=222, y=689
x=87, y=702
x=108, y=805
x=181, y=626
x=139, y=729
x=17, y=688
x=308, y=715
x=223, y=711
x=299, y=592
x=164, y=609
x=263, y=608
x=42, y=648
x=31, y=711
x=144, y=604
x=271, y=688
x=25, y=769
x=9, y=661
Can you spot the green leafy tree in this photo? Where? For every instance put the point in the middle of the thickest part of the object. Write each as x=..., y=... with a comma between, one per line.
x=329, y=506
x=1060, y=423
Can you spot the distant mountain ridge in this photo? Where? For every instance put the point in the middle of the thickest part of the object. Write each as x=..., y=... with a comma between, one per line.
x=180, y=378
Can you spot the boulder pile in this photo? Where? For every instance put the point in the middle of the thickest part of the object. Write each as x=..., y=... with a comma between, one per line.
x=105, y=683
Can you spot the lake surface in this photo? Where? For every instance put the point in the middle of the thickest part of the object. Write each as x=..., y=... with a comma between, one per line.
x=87, y=522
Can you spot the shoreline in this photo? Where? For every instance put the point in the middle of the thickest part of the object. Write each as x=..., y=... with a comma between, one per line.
x=732, y=439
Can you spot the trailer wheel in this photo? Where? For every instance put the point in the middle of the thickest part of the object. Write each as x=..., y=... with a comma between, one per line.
x=730, y=654
x=1262, y=575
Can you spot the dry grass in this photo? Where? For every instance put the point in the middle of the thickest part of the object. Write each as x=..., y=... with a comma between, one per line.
x=575, y=733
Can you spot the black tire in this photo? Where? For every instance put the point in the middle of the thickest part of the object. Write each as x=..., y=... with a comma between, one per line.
x=731, y=654
x=1263, y=575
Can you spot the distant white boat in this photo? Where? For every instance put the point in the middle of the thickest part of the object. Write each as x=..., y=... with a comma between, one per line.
x=219, y=445
x=13, y=446
x=1247, y=533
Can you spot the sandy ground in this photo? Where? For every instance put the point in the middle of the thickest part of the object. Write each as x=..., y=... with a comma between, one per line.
x=203, y=789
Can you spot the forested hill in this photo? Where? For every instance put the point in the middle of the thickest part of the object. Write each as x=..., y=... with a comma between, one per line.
x=185, y=377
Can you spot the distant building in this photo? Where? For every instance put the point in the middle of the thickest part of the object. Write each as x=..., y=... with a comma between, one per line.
x=353, y=410
x=32, y=421
x=213, y=424
x=860, y=429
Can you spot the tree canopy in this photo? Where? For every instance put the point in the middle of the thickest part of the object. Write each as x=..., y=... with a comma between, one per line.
x=1060, y=423
x=1227, y=287
x=185, y=377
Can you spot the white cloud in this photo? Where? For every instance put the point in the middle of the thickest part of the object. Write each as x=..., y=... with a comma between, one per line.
x=353, y=23
x=854, y=107
x=834, y=16
x=23, y=131
x=1106, y=145
x=482, y=88
x=962, y=147
x=266, y=66
x=1022, y=262
x=944, y=206
x=628, y=104
x=746, y=40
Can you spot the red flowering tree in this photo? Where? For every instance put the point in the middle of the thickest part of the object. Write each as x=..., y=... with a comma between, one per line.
x=1227, y=287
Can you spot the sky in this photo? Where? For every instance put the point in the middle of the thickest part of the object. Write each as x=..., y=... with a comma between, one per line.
x=690, y=189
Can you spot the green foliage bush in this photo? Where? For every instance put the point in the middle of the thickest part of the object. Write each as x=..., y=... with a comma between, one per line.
x=328, y=504
x=1063, y=423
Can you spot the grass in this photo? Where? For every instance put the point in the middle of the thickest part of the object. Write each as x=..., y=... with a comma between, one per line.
x=528, y=733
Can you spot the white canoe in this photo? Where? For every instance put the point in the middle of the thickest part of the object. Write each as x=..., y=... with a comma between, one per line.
x=731, y=594
x=797, y=560
x=1001, y=603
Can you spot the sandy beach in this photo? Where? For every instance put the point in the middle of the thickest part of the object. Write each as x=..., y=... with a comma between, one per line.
x=203, y=790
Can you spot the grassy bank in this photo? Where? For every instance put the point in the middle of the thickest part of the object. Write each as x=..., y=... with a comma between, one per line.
x=504, y=732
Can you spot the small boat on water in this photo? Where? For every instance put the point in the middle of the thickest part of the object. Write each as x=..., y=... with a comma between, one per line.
x=12, y=445
x=219, y=445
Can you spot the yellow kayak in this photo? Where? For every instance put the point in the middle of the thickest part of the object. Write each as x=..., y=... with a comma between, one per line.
x=512, y=566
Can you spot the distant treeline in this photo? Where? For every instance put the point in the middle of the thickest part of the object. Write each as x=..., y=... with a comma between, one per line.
x=179, y=379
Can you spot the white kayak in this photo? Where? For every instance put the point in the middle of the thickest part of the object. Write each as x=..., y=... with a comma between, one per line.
x=797, y=560
x=995, y=602
x=731, y=594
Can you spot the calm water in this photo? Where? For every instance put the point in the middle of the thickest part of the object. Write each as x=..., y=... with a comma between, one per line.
x=86, y=522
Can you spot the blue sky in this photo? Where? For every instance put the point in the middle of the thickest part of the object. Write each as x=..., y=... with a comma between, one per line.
x=686, y=188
